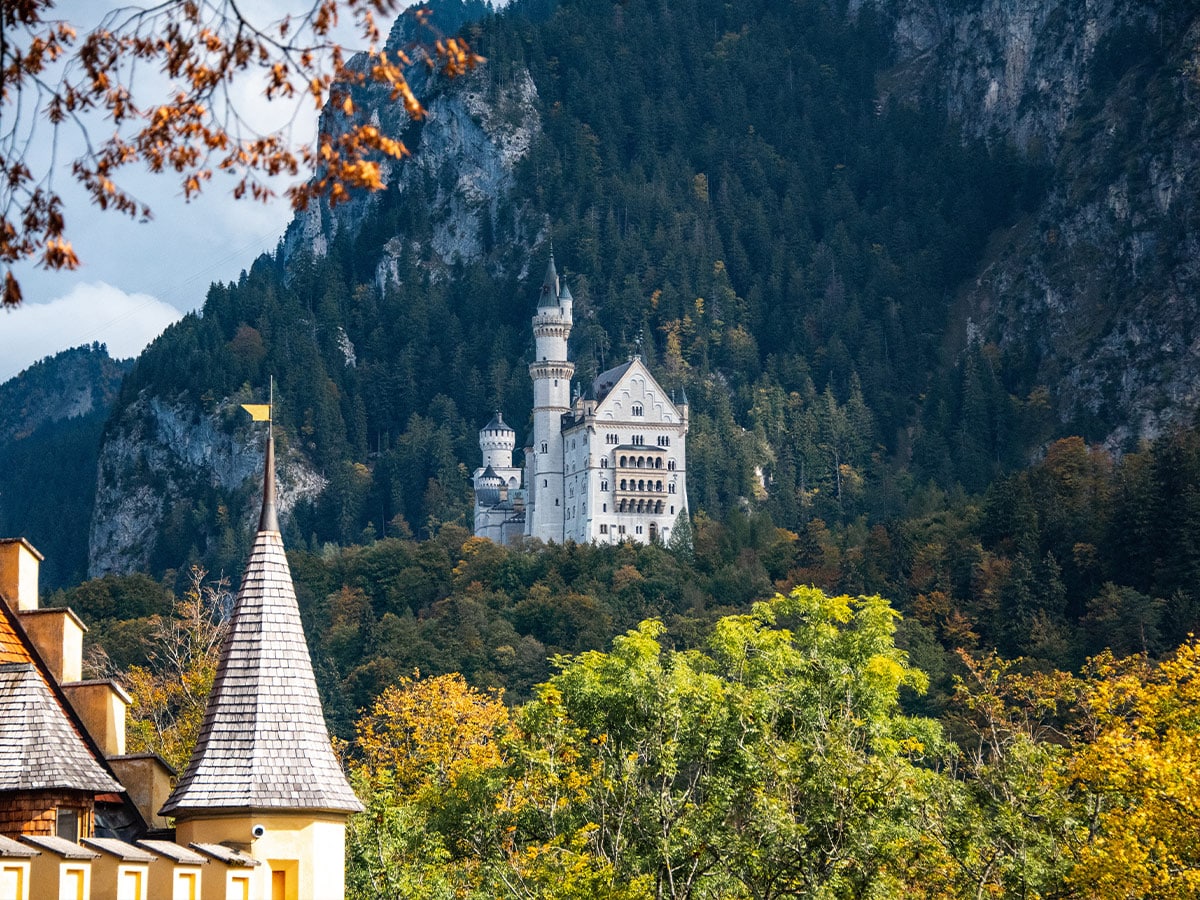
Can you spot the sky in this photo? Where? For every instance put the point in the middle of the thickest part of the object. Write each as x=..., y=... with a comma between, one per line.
x=137, y=278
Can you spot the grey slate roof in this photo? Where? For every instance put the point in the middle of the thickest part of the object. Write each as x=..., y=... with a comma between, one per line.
x=263, y=743
x=497, y=424
x=10, y=848
x=174, y=852
x=59, y=846
x=121, y=850
x=606, y=380
x=227, y=855
x=39, y=748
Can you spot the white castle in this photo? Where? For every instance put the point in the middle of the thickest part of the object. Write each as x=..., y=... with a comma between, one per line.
x=608, y=467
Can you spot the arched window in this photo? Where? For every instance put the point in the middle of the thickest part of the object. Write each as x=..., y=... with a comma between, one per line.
x=545, y=447
x=641, y=462
x=637, y=409
x=670, y=465
x=658, y=507
x=671, y=488
x=658, y=463
x=604, y=462
x=623, y=463
x=658, y=485
x=604, y=485
x=623, y=485
x=641, y=486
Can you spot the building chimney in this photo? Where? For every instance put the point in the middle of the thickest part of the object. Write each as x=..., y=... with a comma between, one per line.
x=19, y=562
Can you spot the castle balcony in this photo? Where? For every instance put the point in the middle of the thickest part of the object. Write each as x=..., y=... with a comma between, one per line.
x=631, y=459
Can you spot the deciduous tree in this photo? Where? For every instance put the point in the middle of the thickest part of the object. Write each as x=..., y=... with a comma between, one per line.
x=54, y=77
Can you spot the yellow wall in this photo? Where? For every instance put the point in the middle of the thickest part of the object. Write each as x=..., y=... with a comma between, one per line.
x=64, y=879
x=148, y=782
x=309, y=849
x=170, y=880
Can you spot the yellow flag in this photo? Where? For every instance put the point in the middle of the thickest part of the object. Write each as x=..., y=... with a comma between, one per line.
x=259, y=412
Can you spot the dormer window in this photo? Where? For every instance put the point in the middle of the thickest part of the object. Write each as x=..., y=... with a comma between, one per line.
x=66, y=824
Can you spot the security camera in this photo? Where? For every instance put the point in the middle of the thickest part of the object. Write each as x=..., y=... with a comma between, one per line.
x=258, y=830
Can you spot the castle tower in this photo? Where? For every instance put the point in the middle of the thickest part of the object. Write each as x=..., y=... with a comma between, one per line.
x=263, y=778
x=551, y=373
x=497, y=442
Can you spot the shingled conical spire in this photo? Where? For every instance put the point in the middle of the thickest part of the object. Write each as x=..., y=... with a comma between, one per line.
x=263, y=744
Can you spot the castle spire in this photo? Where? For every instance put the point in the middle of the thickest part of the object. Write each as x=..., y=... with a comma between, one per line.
x=549, y=293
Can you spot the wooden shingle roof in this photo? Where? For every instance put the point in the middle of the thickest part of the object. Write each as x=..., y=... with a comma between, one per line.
x=39, y=747
x=263, y=743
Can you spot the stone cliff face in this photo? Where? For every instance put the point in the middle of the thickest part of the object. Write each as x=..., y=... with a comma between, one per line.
x=476, y=129
x=1093, y=296
x=153, y=458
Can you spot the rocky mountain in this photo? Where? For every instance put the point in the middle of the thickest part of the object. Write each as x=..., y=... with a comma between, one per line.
x=882, y=243
x=53, y=414
x=1094, y=294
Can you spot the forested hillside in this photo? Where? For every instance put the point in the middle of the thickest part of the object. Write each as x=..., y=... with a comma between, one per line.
x=736, y=204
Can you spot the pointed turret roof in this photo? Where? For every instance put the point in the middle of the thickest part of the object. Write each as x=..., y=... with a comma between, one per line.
x=263, y=743
x=498, y=424
x=549, y=292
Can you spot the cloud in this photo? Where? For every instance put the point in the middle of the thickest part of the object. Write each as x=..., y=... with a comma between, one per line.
x=90, y=312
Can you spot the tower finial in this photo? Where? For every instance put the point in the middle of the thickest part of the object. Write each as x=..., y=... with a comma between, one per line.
x=263, y=412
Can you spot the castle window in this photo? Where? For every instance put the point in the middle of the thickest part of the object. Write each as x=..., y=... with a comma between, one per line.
x=623, y=462
x=604, y=485
x=556, y=501
x=658, y=507
x=672, y=509
x=620, y=529
x=604, y=529
x=604, y=462
x=671, y=487
x=658, y=463
x=658, y=485
x=545, y=447
x=611, y=439
x=638, y=528
x=670, y=465
x=623, y=483
x=638, y=440
x=604, y=508
x=637, y=409
x=664, y=441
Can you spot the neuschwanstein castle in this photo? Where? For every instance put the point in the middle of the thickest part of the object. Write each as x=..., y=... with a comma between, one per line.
x=608, y=466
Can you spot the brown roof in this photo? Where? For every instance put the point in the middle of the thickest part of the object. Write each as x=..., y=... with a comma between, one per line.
x=263, y=743
x=39, y=747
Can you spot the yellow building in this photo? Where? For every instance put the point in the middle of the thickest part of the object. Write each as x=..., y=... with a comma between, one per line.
x=260, y=811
